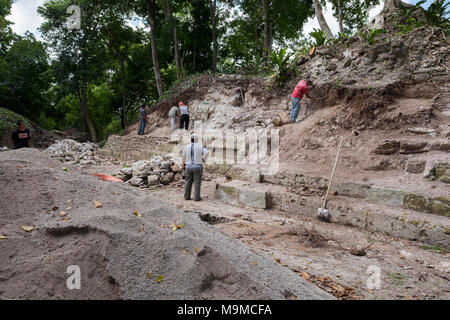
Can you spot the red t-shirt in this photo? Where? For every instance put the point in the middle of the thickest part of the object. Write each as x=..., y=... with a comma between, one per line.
x=300, y=89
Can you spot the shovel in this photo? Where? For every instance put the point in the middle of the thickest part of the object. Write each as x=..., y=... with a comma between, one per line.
x=322, y=213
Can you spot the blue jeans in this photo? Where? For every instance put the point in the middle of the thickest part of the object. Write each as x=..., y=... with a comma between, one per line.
x=142, y=126
x=295, y=108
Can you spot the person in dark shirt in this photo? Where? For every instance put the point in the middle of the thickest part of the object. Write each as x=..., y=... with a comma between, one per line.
x=143, y=119
x=20, y=136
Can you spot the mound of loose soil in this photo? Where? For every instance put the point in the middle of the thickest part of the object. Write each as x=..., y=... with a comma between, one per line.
x=122, y=241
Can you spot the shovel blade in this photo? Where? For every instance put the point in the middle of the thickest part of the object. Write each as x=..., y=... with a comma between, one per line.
x=323, y=214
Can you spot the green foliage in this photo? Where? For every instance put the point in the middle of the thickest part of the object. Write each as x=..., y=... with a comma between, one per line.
x=319, y=37
x=370, y=37
x=280, y=60
x=408, y=11
x=437, y=15
x=25, y=77
x=354, y=13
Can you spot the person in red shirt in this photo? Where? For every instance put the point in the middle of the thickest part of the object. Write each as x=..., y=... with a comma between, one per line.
x=300, y=89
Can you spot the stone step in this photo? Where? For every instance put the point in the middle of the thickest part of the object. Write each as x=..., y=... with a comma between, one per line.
x=397, y=222
x=438, y=204
x=391, y=146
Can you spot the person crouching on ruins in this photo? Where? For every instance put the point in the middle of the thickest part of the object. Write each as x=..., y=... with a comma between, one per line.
x=194, y=154
x=172, y=115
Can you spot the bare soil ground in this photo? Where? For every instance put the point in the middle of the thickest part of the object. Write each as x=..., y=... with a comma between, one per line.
x=53, y=216
x=333, y=257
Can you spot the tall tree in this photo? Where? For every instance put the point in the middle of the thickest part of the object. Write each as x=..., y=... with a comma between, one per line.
x=267, y=31
x=213, y=7
x=80, y=52
x=172, y=23
x=151, y=11
x=321, y=19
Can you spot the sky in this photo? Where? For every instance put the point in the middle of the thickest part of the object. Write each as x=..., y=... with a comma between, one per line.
x=25, y=17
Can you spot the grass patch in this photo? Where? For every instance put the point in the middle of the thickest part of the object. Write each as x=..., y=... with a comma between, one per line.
x=434, y=248
x=397, y=278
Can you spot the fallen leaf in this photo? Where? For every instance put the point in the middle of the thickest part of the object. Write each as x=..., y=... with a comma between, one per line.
x=174, y=227
x=141, y=229
x=98, y=204
x=137, y=214
x=197, y=250
x=149, y=275
x=55, y=208
x=305, y=275
x=66, y=219
x=62, y=213
x=186, y=252
x=64, y=168
x=181, y=226
x=69, y=208
x=20, y=167
x=3, y=237
x=69, y=202
x=254, y=262
x=159, y=278
x=27, y=229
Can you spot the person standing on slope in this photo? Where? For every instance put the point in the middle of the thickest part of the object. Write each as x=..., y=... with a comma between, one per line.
x=184, y=115
x=300, y=89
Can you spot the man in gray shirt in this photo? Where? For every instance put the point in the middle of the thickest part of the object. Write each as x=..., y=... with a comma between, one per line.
x=172, y=115
x=193, y=156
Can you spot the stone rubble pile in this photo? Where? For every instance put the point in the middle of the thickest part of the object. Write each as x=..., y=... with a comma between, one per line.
x=158, y=171
x=74, y=152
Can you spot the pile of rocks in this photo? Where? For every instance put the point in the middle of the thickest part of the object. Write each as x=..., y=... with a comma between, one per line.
x=74, y=152
x=158, y=171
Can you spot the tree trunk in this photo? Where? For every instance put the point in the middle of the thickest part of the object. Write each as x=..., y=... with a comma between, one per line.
x=322, y=22
x=392, y=5
x=266, y=48
x=124, y=110
x=151, y=19
x=341, y=24
x=169, y=16
x=84, y=113
x=213, y=6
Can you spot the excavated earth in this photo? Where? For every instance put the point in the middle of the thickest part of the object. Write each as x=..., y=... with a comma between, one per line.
x=122, y=240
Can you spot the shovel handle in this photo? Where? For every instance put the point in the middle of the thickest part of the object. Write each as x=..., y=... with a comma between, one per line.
x=332, y=174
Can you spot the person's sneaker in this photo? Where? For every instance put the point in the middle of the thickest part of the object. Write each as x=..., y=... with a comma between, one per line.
x=187, y=199
x=198, y=199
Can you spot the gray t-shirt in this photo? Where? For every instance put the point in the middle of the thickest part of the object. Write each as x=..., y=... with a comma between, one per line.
x=173, y=111
x=184, y=110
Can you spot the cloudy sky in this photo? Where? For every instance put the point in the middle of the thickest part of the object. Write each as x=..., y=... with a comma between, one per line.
x=25, y=17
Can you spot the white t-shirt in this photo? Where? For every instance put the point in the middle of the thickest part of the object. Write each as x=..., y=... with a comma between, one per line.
x=193, y=155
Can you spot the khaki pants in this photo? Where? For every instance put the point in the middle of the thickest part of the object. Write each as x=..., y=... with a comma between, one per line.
x=193, y=176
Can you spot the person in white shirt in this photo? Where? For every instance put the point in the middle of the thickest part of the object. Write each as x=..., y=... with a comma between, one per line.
x=194, y=154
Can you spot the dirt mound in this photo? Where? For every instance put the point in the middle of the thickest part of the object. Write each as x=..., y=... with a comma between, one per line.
x=121, y=240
